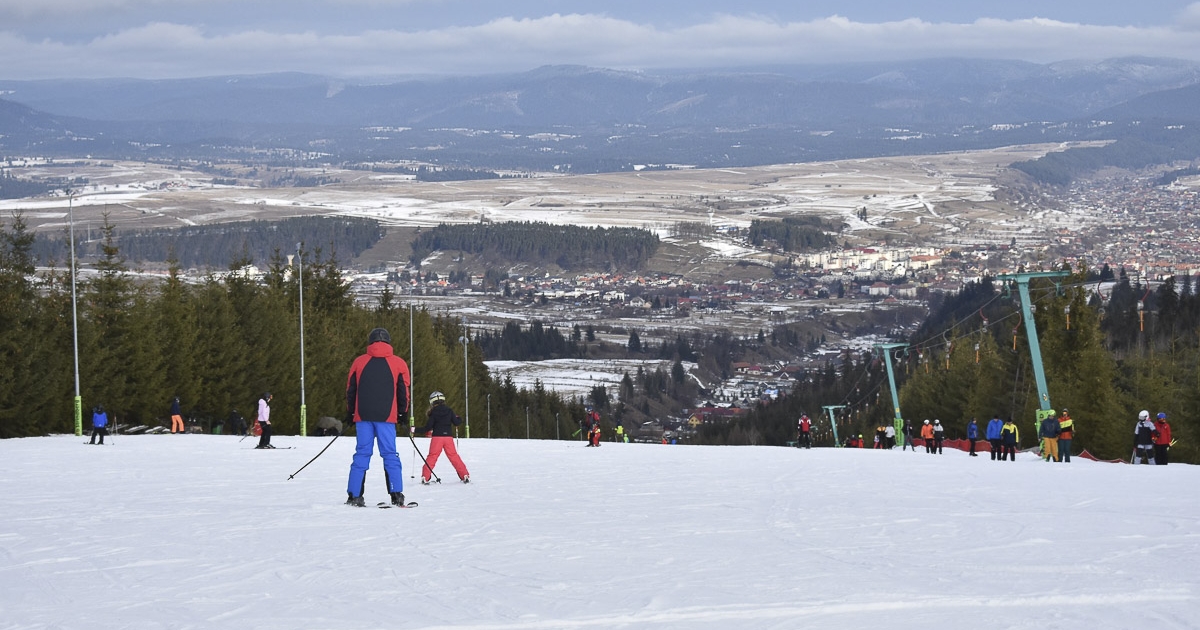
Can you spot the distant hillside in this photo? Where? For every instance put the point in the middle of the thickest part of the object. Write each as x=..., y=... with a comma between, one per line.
x=1155, y=128
x=580, y=119
x=21, y=123
x=959, y=91
x=1180, y=105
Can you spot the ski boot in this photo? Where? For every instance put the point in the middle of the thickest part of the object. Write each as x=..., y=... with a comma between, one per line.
x=355, y=501
x=466, y=479
x=397, y=499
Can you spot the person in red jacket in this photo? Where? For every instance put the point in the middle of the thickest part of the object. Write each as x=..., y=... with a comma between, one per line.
x=803, y=431
x=594, y=433
x=440, y=423
x=1162, y=439
x=376, y=400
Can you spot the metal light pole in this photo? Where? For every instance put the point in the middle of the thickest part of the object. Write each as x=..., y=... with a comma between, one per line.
x=303, y=407
x=489, y=399
x=412, y=422
x=557, y=430
x=74, y=314
x=527, y=423
x=466, y=384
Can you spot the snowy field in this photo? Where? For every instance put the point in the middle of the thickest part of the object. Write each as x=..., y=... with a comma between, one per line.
x=575, y=377
x=930, y=196
x=205, y=532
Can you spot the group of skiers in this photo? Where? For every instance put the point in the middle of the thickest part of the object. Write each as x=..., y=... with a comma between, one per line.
x=1056, y=431
x=1003, y=436
x=236, y=423
x=376, y=401
x=1151, y=439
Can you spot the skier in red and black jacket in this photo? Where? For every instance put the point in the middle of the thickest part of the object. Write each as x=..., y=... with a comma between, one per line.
x=1161, y=437
x=376, y=399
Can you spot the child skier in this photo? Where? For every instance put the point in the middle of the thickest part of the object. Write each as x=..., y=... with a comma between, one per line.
x=440, y=422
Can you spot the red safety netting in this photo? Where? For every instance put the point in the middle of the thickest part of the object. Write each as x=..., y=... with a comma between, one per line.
x=1087, y=455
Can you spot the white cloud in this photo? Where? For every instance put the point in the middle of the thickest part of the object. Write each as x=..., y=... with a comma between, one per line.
x=1189, y=18
x=509, y=44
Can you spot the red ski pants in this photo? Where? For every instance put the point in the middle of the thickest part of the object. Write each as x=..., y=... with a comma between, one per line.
x=436, y=446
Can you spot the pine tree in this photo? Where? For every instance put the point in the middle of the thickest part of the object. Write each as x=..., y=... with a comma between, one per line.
x=19, y=305
x=177, y=332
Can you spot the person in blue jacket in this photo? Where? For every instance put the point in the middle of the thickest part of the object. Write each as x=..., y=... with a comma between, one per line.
x=992, y=434
x=99, y=424
x=972, y=435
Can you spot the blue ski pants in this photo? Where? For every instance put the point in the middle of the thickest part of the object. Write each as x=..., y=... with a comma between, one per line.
x=368, y=434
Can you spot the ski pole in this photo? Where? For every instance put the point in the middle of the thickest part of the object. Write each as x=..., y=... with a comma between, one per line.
x=314, y=458
x=414, y=443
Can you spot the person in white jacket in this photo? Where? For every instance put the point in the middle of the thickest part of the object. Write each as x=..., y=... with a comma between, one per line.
x=264, y=421
x=1143, y=439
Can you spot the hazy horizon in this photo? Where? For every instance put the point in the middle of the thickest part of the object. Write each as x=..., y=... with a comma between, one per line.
x=154, y=39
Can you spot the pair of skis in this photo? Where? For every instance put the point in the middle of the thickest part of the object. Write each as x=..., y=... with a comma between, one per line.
x=385, y=506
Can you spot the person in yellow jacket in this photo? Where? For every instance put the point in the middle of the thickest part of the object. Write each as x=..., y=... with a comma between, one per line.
x=1010, y=436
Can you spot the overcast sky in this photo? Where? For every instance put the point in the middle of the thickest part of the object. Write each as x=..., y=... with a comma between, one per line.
x=359, y=38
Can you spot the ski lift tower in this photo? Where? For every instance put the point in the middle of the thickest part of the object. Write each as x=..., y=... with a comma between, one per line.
x=1035, y=349
x=887, y=358
x=833, y=421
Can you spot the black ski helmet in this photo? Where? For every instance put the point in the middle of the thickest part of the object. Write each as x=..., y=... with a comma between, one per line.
x=377, y=335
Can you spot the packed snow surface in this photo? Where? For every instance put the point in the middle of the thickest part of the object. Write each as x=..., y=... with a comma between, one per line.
x=196, y=531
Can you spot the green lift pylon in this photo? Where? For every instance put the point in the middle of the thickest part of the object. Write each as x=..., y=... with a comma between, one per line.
x=829, y=409
x=1035, y=349
x=887, y=357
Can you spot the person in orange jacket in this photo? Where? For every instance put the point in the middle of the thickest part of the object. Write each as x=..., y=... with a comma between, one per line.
x=927, y=435
x=1066, y=425
x=1162, y=439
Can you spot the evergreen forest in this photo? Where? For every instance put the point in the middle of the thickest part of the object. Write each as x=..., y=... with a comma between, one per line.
x=793, y=234
x=214, y=246
x=1136, y=148
x=568, y=246
x=220, y=344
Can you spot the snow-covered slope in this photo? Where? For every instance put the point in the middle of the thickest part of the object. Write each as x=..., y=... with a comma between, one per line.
x=205, y=532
